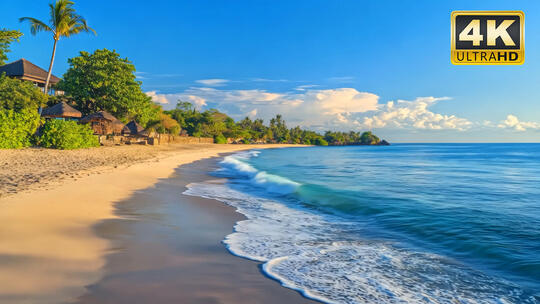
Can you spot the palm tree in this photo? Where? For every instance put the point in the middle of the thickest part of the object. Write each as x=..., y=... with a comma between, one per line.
x=64, y=22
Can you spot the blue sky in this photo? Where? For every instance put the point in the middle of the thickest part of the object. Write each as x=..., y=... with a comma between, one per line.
x=380, y=65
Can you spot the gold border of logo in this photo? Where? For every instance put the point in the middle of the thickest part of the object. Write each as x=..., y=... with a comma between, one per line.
x=489, y=13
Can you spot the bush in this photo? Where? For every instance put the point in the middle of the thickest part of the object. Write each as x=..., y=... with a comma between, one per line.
x=16, y=128
x=220, y=139
x=67, y=135
x=19, y=95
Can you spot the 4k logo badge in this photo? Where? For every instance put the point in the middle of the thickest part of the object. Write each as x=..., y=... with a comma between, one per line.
x=488, y=37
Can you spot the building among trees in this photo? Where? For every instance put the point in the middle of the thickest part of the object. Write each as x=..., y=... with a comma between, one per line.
x=103, y=123
x=61, y=111
x=25, y=70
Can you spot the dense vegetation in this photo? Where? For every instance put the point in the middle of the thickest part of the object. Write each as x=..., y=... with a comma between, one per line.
x=19, y=119
x=67, y=135
x=19, y=95
x=212, y=123
x=105, y=81
x=17, y=128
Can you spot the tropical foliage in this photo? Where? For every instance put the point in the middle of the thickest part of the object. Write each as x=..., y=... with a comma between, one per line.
x=6, y=38
x=19, y=95
x=19, y=118
x=67, y=135
x=17, y=128
x=212, y=123
x=64, y=22
x=105, y=81
x=346, y=138
x=164, y=124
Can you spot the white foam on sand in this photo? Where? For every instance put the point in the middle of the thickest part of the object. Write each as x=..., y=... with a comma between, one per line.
x=326, y=258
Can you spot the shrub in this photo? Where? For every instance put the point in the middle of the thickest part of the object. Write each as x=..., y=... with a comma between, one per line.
x=67, y=135
x=19, y=95
x=220, y=139
x=16, y=128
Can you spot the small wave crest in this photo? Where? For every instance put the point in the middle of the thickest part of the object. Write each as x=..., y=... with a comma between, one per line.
x=327, y=260
x=236, y=166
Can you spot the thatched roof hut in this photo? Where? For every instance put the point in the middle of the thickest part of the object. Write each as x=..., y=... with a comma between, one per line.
x=25, y=70
x=133, y=128
x=61, y=110
x=103, y=123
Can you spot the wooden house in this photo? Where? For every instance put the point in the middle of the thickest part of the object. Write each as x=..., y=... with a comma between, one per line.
x=132, y=128
x=103, y=123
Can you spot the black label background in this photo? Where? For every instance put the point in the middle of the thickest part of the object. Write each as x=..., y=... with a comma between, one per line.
x=513, y=30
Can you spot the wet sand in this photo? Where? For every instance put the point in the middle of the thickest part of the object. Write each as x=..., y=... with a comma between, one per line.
x=49, y=249
x=167, y=249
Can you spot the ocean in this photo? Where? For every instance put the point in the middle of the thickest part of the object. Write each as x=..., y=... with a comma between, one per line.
x=407, y=223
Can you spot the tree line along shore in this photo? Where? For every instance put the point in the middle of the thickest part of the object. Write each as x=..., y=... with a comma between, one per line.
x=103, y=85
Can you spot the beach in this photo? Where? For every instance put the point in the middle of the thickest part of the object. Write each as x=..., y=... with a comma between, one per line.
x=60, y=233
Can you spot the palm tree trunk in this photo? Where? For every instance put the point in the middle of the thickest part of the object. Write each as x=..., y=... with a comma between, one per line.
x=50, y=66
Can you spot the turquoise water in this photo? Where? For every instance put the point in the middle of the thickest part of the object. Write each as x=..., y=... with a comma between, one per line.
x=407, y=223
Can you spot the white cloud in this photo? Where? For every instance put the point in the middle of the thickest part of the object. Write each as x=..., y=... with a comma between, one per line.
x=414, y=114
x=140, y=75
x=157, y=98
x=305, y=87
x=213, y=82
x=252, y=113
x=336, y=109
x=199, y=102
x=512, y=122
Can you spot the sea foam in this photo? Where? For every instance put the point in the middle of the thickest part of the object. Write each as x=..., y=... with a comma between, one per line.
x=326, y=258
x=235, y=165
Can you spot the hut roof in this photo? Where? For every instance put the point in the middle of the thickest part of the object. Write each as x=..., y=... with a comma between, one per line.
x=101, y=115
x=27, y=71
x=133, y=128
x=61, y=110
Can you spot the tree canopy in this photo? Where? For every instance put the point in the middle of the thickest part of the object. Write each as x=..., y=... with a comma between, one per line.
x=6, y=38
x=63, y=22
x=19, y=95
x=212, y=123
x=105, y=81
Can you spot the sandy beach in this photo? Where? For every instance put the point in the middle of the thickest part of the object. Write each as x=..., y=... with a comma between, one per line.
x=57, y=242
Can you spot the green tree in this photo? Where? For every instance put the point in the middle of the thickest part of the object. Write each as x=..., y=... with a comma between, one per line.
x=64, y=22
x=220, y=139
x=369, y=138
x=280, y=133
x=6, y=38
x=20, y=95
x=104, y=81
x=212, y=123
x=165, y=124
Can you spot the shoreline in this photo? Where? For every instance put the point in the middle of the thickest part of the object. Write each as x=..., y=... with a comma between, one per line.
x=172, y=250
x=49, y=250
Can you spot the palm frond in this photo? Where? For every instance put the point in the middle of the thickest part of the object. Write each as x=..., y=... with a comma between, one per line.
x=36, y=25
x=64, y=21
x=78, y=25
